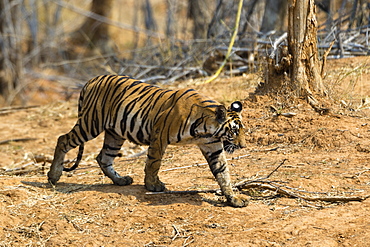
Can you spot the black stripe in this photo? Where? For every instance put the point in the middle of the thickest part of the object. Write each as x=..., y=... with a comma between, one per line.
x=95, y=125
x=208, y=101
x=150, y=157
x=126, y=112
x=195, y=125
x=133, y=121
x=113, y=155
x=177, y=99
x=102, y=165
x=205, y=127
x=82, y=136
x=179, y=133
x=212, y=142
x=171, y=97
x=219, y=170
x=131, y=139
x=215, y=155
x=106, y=146
x=72, y=146
x=212, y=106
x=187, y=119
x=115, y=114
x=140, y=136
x=134, y=83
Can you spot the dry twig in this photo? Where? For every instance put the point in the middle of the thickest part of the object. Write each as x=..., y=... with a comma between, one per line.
x=324, y=57
x=17, y=140
x=285, y=190
x=10, y=109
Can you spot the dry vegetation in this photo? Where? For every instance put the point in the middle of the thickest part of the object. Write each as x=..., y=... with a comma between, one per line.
x=327, y=154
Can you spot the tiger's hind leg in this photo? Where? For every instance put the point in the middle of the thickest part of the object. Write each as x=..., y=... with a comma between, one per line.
x=56, y=167
x=111, y=147
x=65, y=143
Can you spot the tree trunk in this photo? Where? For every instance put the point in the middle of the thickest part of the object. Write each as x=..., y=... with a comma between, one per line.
x=149, y=16
x=199, y=12
x=274, y=16
x=302, y=45
x=94, y=32
x=297, y=72
x=10, y=51
x=171, y=20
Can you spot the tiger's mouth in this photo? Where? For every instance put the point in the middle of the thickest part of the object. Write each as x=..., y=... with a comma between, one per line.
x=230, y=147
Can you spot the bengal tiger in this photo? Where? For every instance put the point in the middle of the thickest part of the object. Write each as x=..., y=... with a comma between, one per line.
x=128, y=109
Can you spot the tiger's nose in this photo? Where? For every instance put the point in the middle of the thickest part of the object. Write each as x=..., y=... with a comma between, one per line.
x=242, y=145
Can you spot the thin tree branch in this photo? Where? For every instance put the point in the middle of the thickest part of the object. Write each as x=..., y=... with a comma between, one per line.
x=17, y=140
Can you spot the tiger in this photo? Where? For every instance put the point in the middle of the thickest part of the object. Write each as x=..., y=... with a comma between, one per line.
x=127, y=109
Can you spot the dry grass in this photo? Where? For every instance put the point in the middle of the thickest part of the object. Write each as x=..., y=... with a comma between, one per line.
x=349, y=84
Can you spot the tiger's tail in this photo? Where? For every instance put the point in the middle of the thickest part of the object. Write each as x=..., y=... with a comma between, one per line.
x=78, y=159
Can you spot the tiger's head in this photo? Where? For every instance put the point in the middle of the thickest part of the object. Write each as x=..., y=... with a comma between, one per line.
x=231, y=130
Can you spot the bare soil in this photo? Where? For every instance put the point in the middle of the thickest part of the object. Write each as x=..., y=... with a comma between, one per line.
x=325, y=153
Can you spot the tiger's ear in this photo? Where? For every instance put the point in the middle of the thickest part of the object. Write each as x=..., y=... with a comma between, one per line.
x=221, y=114
x=236, y=106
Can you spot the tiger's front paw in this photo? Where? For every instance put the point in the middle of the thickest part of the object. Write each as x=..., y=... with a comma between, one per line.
x=122, y=181
x=238, y=201
x=154, y=185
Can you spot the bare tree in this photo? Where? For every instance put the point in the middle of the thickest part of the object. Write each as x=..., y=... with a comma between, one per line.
x=10, y=50
x=360, y=14
x=171, y=20
x=302, y=45
x=94, y=32
x=274, y=16
x=298, y=69
x=201, y=13
x=149, y=19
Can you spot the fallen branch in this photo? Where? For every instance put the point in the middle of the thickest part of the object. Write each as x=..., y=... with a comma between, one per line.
x=276, y=44
x=10, y=109
x=17, y=140
x=315, y=105
x=284, y=190
x=277, y=187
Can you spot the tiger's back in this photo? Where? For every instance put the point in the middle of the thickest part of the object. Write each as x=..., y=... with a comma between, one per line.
x=118, y=103
x=127, y=109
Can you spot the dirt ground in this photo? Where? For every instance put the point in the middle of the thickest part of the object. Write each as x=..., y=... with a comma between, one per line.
x=327, y=154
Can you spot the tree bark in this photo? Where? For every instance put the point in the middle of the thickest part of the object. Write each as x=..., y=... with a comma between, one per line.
x=274, y=16
x=302, y=44
x=11, y=56
x=201, y=15
x=296, y=72
x=94, y=32
x=171, y=20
